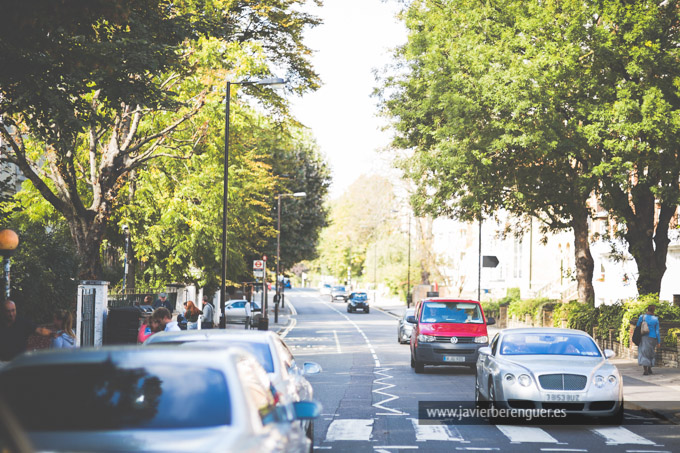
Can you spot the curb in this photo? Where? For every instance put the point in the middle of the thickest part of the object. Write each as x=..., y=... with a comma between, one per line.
x=653, y=412
x=389, y=313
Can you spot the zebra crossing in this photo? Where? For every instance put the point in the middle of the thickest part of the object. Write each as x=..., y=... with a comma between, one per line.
x=362, y=430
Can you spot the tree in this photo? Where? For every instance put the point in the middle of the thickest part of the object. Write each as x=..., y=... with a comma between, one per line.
x=509, y=105
x=102, y=89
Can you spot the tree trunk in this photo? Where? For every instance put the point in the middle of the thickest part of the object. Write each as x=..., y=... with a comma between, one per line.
x=648, y=242
x=88, y=232
x=584, y=260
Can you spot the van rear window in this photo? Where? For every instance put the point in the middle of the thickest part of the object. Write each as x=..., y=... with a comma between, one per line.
x=451, y=312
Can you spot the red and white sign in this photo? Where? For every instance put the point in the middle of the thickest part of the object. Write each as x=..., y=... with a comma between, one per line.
x=258, y=264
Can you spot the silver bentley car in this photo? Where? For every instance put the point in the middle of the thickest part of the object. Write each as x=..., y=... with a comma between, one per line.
x=549, y=368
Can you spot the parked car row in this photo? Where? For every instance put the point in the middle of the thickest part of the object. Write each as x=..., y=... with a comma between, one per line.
x=534, y=368
x=199, y=390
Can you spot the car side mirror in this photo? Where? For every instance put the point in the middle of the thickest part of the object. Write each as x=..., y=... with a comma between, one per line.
x=306, y=410
x=311, y=368
x=411, y=319
x=608, y=353
x=485, y=350
x=490, y=321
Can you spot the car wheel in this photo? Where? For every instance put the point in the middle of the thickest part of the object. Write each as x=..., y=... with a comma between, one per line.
x=413, y=362
x=418, y=366
x=617, y=418
x=310, y=433
x=493, y=417
x=348, y=309
x=366, y=310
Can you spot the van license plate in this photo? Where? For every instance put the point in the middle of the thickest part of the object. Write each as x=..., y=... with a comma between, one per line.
x=454, y=358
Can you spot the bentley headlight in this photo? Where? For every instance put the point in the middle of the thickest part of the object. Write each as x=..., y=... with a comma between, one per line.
x=509, y=378
x=599, y=381
x=524, y=380
x=612, y=379
x=426, y=338
x=482, y=339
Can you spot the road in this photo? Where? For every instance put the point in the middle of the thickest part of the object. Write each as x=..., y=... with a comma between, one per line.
x=370, y=395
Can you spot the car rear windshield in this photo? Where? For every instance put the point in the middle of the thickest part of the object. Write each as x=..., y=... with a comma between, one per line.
x=109, y=396
x=338, y=288
x=451, y=312
x=261, y=351
x=549, y=344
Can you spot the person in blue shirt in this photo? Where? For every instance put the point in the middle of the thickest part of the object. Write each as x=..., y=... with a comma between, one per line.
x=649, y=341
x=63, y=323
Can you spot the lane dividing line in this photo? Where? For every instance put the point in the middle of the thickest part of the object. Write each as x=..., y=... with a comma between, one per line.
x=378, y=371
x=523, y=434
x=291, y=326
x=337, y=342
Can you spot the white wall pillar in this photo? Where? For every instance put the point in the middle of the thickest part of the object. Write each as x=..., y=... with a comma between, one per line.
x=100, y=309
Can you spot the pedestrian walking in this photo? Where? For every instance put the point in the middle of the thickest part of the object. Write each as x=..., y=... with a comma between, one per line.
x=163, y=301
x=192, y=315
x=208, y=314
x=249, y=313
x=15, y=330
x=63, y=324
x=651, y=338
x=164, y=318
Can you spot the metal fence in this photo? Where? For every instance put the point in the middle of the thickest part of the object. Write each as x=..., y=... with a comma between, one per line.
x=132, y=296
x=87, y=317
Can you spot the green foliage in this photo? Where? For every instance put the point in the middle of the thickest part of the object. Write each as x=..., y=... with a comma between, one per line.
x=672, y=337
x=609, y=317
x=578, y=315
x=491, y=308
x=43, y=270
x=523, y=307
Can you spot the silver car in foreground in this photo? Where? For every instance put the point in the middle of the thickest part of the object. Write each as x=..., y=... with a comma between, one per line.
x=151, y=399
x=546, y=368
x=268, y=348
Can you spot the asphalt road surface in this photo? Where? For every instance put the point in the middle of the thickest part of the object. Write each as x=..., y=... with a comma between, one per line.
x=370, y=395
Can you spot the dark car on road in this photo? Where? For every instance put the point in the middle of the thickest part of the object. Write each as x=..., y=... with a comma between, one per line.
x=357, y=301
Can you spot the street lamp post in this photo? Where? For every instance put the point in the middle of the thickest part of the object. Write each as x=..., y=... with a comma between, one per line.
x=278, y=249
x=126, y=232
x=274, y=83
x=408, y=284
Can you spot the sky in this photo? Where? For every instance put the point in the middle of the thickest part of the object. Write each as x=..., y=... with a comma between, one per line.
x=354, y=40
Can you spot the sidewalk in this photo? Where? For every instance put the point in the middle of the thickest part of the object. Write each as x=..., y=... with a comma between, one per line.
x=658, y=394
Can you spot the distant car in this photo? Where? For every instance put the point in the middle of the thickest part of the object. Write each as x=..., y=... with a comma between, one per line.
x=128, y=398
x=405, y=328
x=236, y=311
x=268, y=348
x=325, y=289
x=549, y=368
x=339, y=292
x=357, y=301
x=286, y=283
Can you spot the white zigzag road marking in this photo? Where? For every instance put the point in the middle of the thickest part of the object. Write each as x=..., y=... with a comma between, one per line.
x=390, y=397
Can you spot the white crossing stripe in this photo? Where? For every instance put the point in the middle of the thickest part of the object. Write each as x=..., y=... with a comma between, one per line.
x=350, y=429
x=526, y=434
x=617, y=435
x=435, y=432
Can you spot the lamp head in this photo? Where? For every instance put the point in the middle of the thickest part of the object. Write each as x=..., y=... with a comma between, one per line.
x=300, y=194
x=275, y=82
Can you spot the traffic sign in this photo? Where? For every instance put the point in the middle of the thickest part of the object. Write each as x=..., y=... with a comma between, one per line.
x=258, y=265
x=489, y=261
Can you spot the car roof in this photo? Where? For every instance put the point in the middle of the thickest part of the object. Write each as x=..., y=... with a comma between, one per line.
x=543, y=330
x=144, y=355
x=446, y=299
x=214, y=334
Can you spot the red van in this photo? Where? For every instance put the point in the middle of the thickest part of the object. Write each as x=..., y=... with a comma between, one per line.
x=447, y=332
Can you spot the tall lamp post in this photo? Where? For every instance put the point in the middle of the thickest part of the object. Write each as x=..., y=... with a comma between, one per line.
x=126, y=232
x=9, y=241
x=278, y=248
x=274, y=83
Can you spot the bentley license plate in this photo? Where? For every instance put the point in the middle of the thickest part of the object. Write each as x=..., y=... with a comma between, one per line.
x=561, y=397
x=454, y=358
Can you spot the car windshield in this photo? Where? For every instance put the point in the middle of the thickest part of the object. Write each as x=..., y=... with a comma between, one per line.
x=359, y=296
x=261, y=351
x=549, y=344
x=110, y=396
x=451, y=312
x=338, y=288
